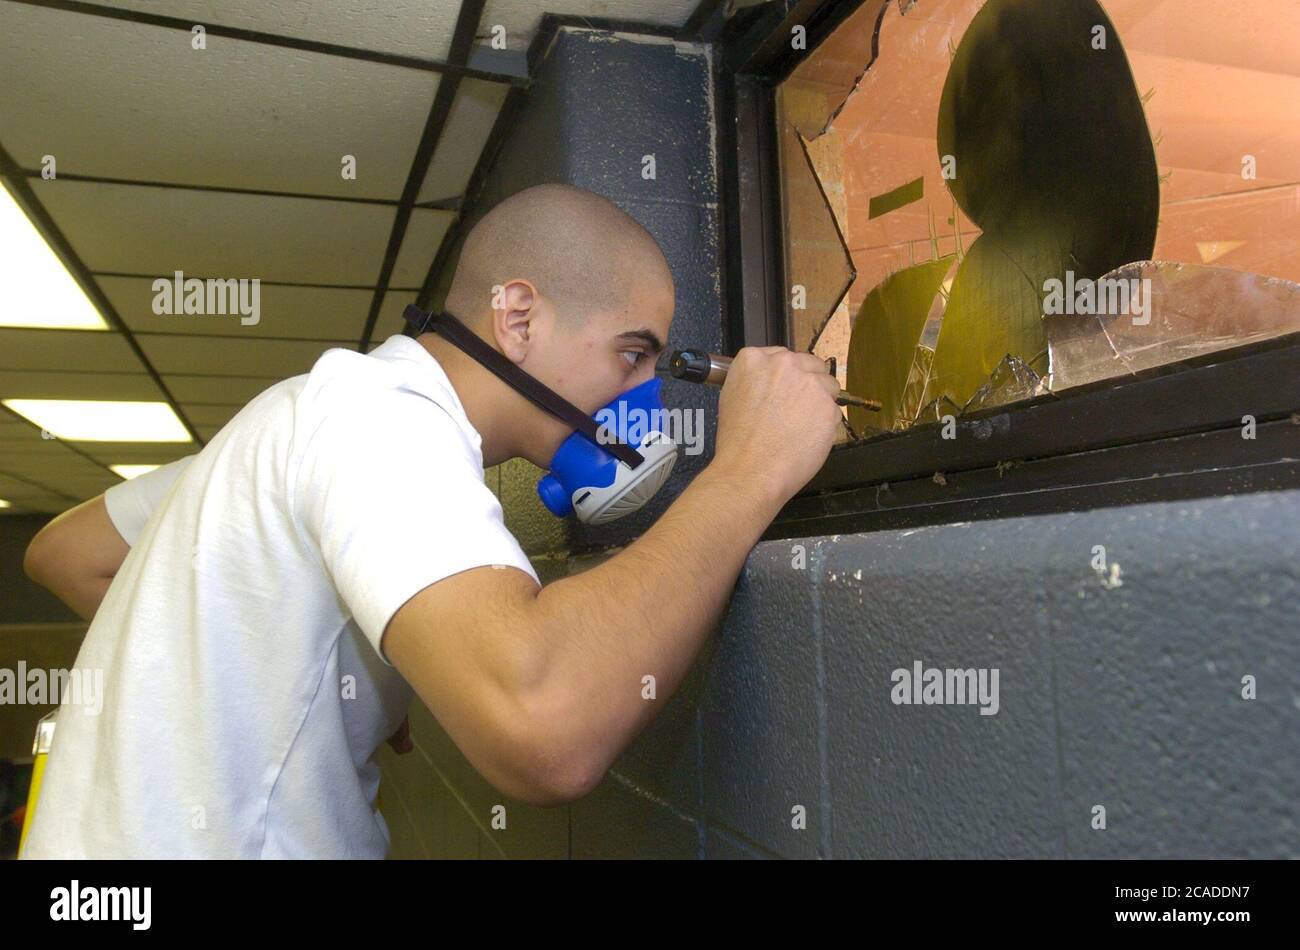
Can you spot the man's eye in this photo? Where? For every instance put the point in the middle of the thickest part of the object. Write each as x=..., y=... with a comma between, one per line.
x=633, y=356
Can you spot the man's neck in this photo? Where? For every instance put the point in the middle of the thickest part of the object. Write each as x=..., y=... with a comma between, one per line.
x=479, y=394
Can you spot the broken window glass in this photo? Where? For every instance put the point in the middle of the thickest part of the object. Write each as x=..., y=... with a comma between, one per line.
x=817, y=263
x=835, y=69
x=1159, y=312
x=977, y=157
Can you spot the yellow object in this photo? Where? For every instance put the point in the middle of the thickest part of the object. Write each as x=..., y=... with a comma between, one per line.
x=41, y=752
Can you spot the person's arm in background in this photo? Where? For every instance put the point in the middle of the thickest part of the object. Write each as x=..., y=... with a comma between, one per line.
x=77, y=554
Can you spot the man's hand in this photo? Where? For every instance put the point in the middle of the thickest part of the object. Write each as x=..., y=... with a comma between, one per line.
x=777, y=417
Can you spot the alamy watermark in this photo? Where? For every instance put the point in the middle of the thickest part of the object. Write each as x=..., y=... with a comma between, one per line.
x=683, y=426
x=922, y=686
x=78, y=902
x=1108, y=296
x=190, y=295
x=38, y=687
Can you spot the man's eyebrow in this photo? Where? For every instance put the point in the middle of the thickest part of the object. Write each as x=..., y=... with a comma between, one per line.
x=645, y=336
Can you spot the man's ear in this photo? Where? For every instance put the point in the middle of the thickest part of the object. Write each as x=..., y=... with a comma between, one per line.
x=512, y=320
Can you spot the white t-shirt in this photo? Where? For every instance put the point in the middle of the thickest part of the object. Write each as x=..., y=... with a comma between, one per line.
x=244, y=696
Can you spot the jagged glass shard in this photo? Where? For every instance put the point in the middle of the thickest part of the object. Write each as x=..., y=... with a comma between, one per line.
x=1011, y=381
x=1159, y=312
x=818, y=267
x=936, y=409
x=916, y=391
x=918, y=384
x=882, y=350
x=833, y=343
x=842, y=60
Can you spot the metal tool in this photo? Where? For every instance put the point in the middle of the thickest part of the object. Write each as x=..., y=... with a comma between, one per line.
x=699, y=366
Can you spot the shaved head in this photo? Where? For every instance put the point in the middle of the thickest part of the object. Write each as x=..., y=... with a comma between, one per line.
x=580, y=250
x=570, y=289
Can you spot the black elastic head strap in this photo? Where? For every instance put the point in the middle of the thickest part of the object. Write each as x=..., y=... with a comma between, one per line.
x=474, y=346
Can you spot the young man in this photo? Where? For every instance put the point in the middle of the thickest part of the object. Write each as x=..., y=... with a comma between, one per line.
x=335, y=547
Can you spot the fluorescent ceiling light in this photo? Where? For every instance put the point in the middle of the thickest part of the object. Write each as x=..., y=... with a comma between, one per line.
x=82, y=420
x=3, y=503
x=131, y=471
x=37, y=290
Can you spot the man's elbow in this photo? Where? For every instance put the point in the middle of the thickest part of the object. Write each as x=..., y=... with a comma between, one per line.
x=37, y=559
x=553, y=767
x=574, y=783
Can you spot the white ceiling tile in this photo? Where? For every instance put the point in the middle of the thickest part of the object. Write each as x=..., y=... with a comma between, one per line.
x=67, y=350
x=36, y=467
x=38, y=504
x=424, y=234
x=521, y=18
x=390, y=314
x=320, y=313
x=235, y=114
x=11, y=486
x=157, y=231
x=408, y=27
x=27, y=384
x=80, y=486
x=201, y=414
x=231, y=356
x=26, y=440
x=216, y=389
x=136, y=453
x=469, y=123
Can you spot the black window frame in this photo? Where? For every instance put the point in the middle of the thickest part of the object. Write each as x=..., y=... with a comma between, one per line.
x=1168, y=433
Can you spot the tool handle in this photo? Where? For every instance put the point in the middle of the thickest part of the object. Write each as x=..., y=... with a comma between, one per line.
x=700, y=366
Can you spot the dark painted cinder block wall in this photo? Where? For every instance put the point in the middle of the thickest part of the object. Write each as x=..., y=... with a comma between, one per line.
x=1120, y=689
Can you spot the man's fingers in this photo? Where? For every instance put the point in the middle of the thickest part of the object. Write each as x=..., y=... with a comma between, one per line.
x=811, y=363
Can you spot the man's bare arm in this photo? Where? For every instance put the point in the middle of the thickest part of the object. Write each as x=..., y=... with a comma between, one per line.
x=542, y=688
x=77, y=555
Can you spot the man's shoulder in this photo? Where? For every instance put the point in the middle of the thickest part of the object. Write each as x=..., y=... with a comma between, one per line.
x=386, y=369
x=353, y=390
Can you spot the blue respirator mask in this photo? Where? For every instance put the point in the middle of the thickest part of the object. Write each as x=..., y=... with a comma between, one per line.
x=614, y=461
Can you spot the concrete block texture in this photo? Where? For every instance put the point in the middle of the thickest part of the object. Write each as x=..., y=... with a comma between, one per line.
x=908, y=780
x=621, y=820
x=761, y=716
x=1125, y=641
x=1155, y=656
